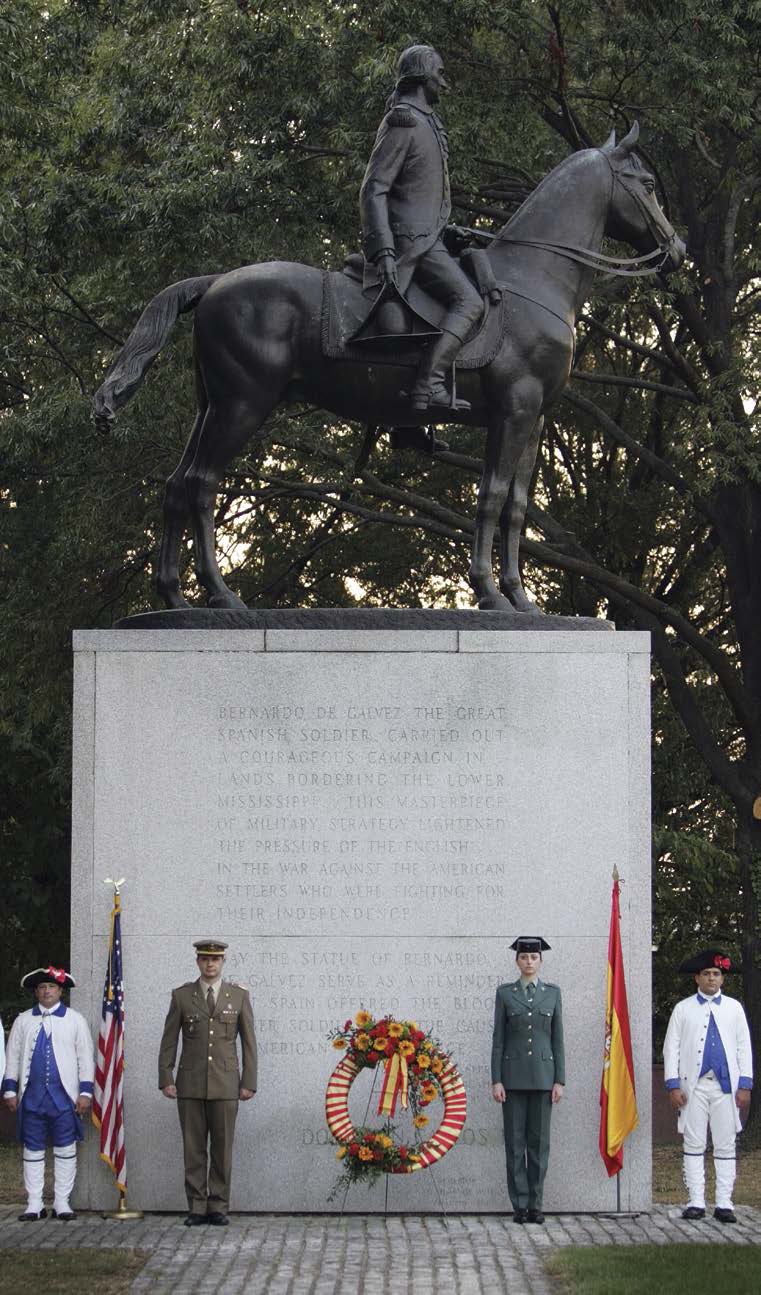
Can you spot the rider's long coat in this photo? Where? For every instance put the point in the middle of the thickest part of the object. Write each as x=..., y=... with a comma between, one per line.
x=405, y=200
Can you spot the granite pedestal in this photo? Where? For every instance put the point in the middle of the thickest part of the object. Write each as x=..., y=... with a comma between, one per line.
x=368, y=817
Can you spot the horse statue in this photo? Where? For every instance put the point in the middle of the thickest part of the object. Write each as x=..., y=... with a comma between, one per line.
x=258, y=342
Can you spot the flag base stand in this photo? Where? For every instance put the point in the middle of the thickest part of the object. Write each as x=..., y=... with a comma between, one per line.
x=122, y=1213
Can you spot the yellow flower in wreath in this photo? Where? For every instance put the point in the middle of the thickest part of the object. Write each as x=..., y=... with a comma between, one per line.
x=423, y=1060
x=420, y=1121
x=384, y=1140
x=339, y=1043
x=437, y=1065
x=365, y=1153
x=341, y=1152
x=406, y=1049
x=429, y=1091
x=427, y=1045
x=363, y=1018
x=395, y=1030
x=362, y=1042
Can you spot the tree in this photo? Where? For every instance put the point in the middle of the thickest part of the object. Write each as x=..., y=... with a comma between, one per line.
x=147, y=143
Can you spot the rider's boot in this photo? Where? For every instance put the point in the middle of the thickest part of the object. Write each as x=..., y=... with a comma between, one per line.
x=430, y=389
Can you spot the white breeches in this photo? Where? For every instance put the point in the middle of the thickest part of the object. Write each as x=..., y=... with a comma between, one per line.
x=709, y=1107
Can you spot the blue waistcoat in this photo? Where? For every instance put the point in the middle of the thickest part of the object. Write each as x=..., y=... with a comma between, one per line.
x=44, y=1078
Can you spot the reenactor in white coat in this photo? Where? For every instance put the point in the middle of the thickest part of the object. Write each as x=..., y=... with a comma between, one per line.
x=708, y=1069
x=49, y=1073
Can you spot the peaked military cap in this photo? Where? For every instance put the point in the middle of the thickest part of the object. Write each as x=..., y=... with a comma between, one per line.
x=530, y=944
x=49, y=976
x=210, y=948
x=705, y=959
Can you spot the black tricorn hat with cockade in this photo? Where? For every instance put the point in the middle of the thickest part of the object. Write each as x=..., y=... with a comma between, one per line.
x=705, y=959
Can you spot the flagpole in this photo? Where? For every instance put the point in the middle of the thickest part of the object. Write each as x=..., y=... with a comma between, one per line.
x=616, y=879
x=122, y=1214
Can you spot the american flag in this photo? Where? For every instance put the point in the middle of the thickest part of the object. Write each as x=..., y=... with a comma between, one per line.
x=108, y=1090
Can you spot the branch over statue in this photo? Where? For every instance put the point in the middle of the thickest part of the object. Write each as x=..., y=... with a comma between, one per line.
x=409, y=334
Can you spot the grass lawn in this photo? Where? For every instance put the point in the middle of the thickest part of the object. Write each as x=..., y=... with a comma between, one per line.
x=640, y=1270
x=68, y=1272
x=668, y=1188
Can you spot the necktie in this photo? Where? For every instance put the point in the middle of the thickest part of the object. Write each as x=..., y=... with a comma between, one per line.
x=530, y=992
x=47, y=1027
x=210, y=1000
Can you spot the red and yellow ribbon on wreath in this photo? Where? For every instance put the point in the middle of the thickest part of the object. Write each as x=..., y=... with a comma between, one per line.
x=410, y=1059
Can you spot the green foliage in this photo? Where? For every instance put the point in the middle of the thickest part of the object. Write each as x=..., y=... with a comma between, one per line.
x=143, y=143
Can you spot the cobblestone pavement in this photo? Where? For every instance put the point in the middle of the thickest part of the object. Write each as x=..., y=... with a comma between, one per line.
x=362, y=1254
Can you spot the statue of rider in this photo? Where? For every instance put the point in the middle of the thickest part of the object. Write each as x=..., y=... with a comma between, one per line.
x=405, y=205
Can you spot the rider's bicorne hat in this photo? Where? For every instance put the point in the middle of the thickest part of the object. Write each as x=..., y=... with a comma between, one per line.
x=415, y=63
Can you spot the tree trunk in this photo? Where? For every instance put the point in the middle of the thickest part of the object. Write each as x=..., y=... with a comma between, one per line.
x=748, y=845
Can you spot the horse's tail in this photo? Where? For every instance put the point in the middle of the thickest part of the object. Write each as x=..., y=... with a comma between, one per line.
x=144, y=343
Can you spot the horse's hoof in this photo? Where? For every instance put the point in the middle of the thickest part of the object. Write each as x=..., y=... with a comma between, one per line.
x=520, y=603
x=495, y=603
x=227, y=600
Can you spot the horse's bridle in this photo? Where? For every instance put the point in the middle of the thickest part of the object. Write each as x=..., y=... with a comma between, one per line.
x=610, y=264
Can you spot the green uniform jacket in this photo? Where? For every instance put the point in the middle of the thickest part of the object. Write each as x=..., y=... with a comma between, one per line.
x=527, y=1044
x=208, y=1066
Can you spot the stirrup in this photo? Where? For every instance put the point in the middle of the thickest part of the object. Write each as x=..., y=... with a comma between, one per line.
x=438, y=398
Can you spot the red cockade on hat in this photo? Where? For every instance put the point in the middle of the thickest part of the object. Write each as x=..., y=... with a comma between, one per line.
x=719, y=961
x=56, y=973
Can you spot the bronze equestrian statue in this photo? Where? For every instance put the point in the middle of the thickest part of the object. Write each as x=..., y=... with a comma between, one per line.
x=259, y=340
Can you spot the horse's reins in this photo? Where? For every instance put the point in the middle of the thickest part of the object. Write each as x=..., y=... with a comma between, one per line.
x=594, y=260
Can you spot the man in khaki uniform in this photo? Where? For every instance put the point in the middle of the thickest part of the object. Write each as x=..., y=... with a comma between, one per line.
x=211, y=1013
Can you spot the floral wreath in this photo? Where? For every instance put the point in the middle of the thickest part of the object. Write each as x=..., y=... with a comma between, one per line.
x=417, y=1071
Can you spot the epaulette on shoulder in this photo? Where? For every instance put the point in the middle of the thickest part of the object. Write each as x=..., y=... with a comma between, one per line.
x=401, y=116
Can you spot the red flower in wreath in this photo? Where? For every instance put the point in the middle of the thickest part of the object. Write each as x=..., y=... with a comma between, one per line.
x=353, y=1148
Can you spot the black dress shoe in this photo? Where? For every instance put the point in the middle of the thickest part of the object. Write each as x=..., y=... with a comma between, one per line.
x=535, y=1216
x=724, y=1216
x=520, y=1216
x=65, y=1216
x=195, y=1220
x=693, y=1212
x=31, y=1217
x=217, y=1220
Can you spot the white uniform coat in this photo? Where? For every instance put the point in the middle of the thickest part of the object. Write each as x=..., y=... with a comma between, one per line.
x=72, y=1045
x=685, y=1042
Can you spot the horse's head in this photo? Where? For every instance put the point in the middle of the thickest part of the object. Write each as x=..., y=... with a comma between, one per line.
x=634, y=214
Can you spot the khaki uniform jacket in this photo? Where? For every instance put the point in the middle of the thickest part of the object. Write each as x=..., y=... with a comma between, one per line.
x=527, y=1043
x=208, y=1066
x=405, y=193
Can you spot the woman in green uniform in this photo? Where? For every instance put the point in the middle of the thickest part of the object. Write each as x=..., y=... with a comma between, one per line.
x=528, y=1074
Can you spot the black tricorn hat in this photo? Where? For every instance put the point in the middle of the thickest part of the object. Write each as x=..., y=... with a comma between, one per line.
x=705, y=959
x=47, y=975
x=530, y=944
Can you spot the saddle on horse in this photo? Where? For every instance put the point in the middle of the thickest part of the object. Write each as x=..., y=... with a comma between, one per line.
x=395, y=328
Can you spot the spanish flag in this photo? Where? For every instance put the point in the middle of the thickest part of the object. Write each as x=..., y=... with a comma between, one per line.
x=618, y=1101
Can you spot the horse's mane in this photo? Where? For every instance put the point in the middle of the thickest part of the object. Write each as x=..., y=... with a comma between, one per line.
x=578, y=159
